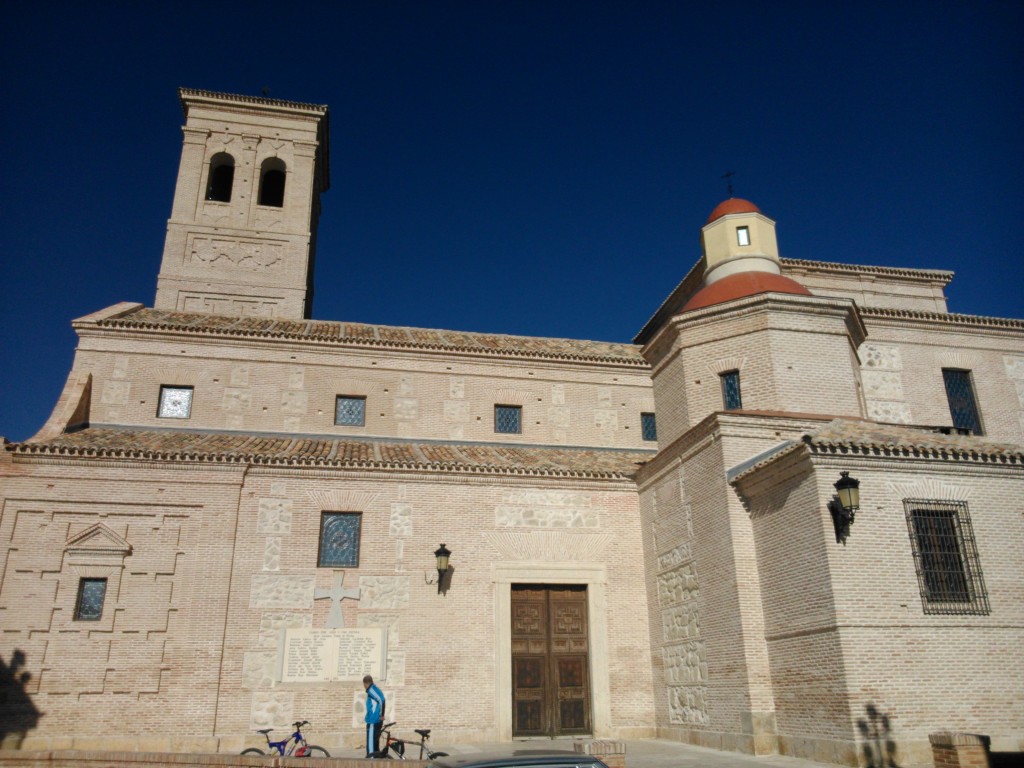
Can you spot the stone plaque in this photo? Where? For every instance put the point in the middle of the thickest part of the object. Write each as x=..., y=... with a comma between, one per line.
x=307, y=655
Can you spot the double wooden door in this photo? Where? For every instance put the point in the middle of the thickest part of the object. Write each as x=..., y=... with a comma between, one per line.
x=550, y=664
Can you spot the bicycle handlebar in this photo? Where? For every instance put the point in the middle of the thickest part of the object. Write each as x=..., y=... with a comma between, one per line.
x=298, y=724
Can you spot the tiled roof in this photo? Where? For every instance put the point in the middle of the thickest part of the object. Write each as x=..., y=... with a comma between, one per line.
x=842, y=436
x=360, y=334
x=856, y=437
x=341, y=453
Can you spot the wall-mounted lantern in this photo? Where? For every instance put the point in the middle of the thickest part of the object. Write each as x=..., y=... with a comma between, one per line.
x=844, y=505
x=441, y=554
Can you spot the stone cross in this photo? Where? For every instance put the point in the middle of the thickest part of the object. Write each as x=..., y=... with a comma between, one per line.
x=337, y=593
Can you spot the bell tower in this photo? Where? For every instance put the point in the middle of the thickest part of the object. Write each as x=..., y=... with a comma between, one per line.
x=241, y=239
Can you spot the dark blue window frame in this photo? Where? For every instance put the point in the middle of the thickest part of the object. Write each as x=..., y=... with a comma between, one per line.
x=732, y=398
x=963, y=407
x=340, y=534
x=508, y=419
x=648, y=427
x=89, y=603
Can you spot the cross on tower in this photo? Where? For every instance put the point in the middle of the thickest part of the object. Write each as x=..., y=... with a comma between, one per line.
x=337, y=593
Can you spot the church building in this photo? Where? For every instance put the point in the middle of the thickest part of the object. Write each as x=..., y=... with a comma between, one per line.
x=787, y=518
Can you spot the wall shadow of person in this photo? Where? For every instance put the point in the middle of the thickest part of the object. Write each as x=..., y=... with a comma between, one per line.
x=878, y=745
x=18, y=715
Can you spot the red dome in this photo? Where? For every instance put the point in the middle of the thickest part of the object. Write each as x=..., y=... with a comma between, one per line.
x=732, y=205
x=741, y=285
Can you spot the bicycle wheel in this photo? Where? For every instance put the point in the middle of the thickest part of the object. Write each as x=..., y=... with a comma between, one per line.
x=314, y=751
x=253, y=751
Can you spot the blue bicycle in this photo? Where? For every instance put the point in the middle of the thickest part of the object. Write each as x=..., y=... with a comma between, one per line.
x=294, y=746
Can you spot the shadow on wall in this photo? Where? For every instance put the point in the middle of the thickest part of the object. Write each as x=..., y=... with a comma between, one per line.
x=876, y=732
x=18, y=715
x=1002, y=759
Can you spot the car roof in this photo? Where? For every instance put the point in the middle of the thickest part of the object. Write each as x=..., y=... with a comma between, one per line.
x=519, y=758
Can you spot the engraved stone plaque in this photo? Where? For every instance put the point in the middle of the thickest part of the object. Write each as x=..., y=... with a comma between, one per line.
x=308, y=655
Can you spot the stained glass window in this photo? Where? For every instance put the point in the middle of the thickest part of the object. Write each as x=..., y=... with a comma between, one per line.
x=339, y=539
x=648, y=426
x=962, y=406
x=731, y=398
x=89, y=606
x=175, y=402
x=350, y=411
x=508, y=419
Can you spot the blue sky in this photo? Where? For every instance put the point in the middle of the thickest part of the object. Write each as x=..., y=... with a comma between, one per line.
x=538, y=168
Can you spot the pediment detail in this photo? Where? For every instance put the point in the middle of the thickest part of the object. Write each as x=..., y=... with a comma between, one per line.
x=97, y=539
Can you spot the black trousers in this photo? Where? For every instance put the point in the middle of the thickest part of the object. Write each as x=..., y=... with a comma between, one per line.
x=372, y=738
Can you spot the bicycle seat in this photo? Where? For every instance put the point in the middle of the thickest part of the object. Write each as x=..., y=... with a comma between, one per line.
x=424, y=732
x=265, y=731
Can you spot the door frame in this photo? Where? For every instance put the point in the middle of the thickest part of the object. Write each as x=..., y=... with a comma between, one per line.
x=595, y=578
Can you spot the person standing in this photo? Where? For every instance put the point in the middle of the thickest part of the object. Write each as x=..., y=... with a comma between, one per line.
x=374, y=715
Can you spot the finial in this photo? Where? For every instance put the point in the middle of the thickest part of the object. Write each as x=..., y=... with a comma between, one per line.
x=728, y=176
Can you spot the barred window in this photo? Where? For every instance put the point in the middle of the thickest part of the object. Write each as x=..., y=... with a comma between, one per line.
x=648, y=426
x=508, y=419
x=339, y=539
x=89, y=604
x=946, y=557
x=350, y=411
x=962, y=405
x=731, y=398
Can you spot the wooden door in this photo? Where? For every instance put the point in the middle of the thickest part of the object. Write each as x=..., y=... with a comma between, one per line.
x=550, y=664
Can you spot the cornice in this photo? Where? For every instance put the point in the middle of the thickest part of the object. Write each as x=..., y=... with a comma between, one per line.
x=942, y=276
x=195, y=94
x=141, y=448
x=906, y=316
x=361, y=336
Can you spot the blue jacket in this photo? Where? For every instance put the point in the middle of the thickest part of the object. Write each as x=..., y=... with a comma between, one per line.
x=374, y=704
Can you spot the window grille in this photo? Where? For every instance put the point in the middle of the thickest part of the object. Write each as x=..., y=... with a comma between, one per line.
x=508, y=419
x=89, y=605
x=946, y=557
x=648, y=426
x=731, y=398
x=962, y=405
x=350, y=411
x=339, y=539
x=175, y=402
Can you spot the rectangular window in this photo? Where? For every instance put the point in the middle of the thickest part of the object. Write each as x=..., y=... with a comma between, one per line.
x=508, y=419
x=175, y=402
x=731, y=398
x=339, y=539
x=946, y=557
x=743, y=235
x=962, y=405
x=89, y=605
x=350, y=411
x=648, y=426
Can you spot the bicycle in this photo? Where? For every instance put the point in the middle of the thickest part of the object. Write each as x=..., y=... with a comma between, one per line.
x=397, y=746
x=294, y=746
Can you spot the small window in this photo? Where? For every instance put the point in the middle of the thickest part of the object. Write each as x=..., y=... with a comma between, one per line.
x=175, y=402
x=731, y=398
x=508, y=419
x=743, y=235
x=648, y=427
x=222, y=177
x=272, y=183
x=339, y=539
x=962, y=405
x=89, y=605
x=350, y=411
x=946, y=557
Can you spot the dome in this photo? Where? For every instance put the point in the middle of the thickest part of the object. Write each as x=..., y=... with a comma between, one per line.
x=741, y=285
x=732, y=205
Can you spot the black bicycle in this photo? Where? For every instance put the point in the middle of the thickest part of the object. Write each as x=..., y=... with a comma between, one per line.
x=394, y=747
x=294, y=746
